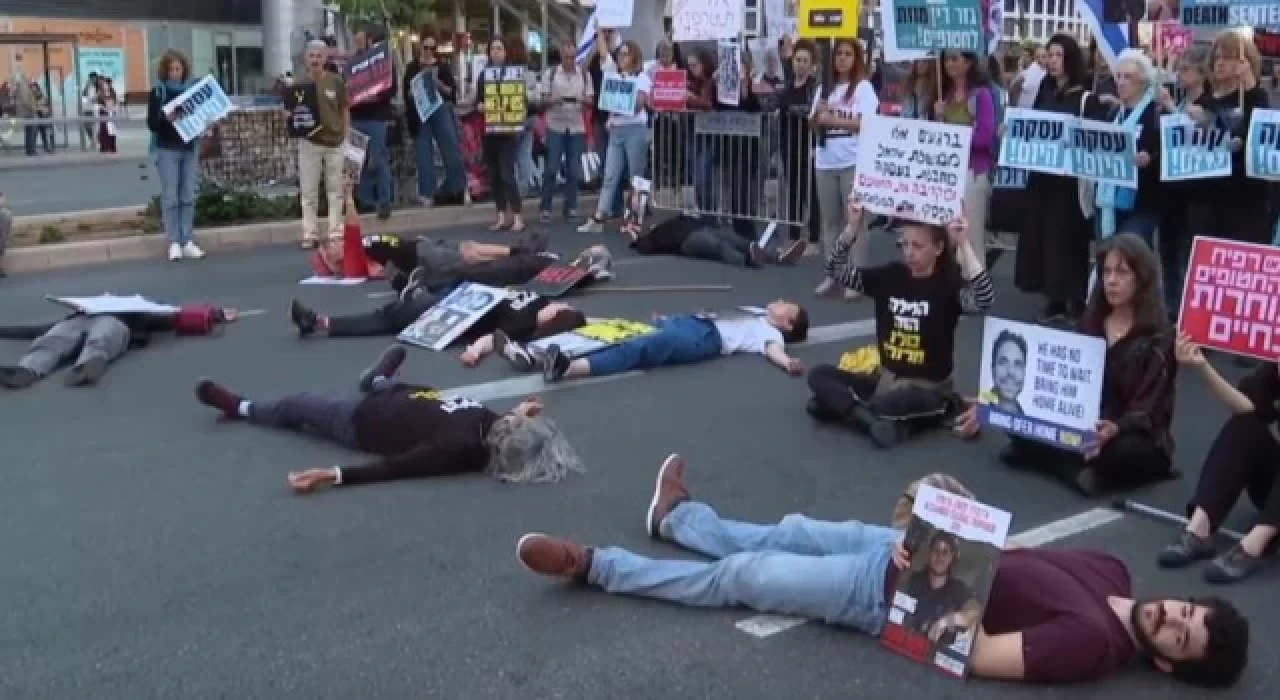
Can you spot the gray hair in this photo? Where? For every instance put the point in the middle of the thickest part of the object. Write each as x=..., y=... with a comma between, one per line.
x=1145, y=67
x=529, y=451
x=317, y=44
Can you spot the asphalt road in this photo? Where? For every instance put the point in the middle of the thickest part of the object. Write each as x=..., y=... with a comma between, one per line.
x=150, y=551
x=81, y=186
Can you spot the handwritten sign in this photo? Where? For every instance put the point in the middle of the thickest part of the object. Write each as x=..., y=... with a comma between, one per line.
x=426, y=99
x=1041, y=383
x=939, y=25
x=1189, y=151
x=1230, y=298
x=614, y=14
x=369, y=74
x=198, y=107
x=304, y=109
x=966, y=537
x=556, y=280
x=1262, y=146
x=669, y=89
x=594, y=336
x=505, y=100
x=354, y=150
x=441, y=324
x=912, y=169
x=1104, y=152
x=617, y=94
x=706, y=20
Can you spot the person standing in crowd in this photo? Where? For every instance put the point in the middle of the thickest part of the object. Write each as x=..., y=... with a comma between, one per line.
x=1244, y=458
x=921, y=89
x=739, y=157
x=567, y=89
x=320, y=154
x=837, y=118
x=88, y=96
x=1120, y=209
x=1175, y=233
x=1134, y=439
x=701, y=97
x=795, y=101
x=501, y=149
x=177, y=161
x=967, y=99
x=439, y=134
x=603, y=61
x=1053, y=248
x=26, y=107
x=628, y=134
x=371, y=118
x=44, y=110
x=108, y=103
x=1032, y=70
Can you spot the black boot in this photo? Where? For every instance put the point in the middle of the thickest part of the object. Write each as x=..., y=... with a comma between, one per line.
x=17, y=377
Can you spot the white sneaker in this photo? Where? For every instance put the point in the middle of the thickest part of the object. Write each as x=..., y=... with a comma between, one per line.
x=175, y=252
x=591, y=226
x=191, y=250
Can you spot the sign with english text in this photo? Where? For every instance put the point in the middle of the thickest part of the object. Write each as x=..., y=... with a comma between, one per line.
x=1218, y=14
x=939, y=25
x=369, y=74
x=1041, y=383
x=957, y=541
x=597, y=335
x=1189, y=151
x=441, y=324
x=197, y=108
x=505, y=100
x=1262, y=146
x=1230, y=298
x=557, y=280
x=303, y=107
x=912, y=169
x=670, y=86
x=706, y=20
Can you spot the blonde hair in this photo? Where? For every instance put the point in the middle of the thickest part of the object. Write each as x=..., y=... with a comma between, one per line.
x=901, y=517
x=1231, y=44
x=170, y=56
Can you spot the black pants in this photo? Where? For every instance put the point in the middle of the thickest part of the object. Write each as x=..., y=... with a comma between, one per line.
x=388, y=319
x=717, y=245
x=1175, y=252
x=839, y=393
x=739, y=161
x=1244, y=458
x=1131, y=458
x=328, y=417
x=500, y=152
x=514, y=270
x=1247, y=224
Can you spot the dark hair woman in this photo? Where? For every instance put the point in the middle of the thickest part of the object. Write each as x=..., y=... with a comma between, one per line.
x=968, y=100
x=501, y=143
x=177, y=161
x=795, y=101
x=701, y=98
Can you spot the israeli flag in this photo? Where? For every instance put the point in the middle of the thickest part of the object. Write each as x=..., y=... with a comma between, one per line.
x=587, y=40
x=995, y=24
x=1112, y=38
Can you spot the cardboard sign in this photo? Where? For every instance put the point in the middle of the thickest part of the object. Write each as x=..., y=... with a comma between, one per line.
x=670, y=86
x=1229, y=298
x=1060, y=144
x=112, y=304
x=913, y=169
x=1262, y=146
x=592, y=337
x=1189, y=151
x=198, y=107
x=617, y=94
x=930, y=25
x=557, y=280
x=729, y=73
x=354, y=150
x=441, y=324
x=614, y=14
x=1173, y=39
x=828, y=19
x=505, y=100
x=966, y=536
x=369, y=74
x=1104, y=152
x=304, y=109
x=1041, y=383
x=706, y=20
x=426, y=99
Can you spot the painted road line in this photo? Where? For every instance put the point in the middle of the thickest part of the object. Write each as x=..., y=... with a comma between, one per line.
x=761, y=626
x=524, y=385
x=252, y=312
x=624, y=262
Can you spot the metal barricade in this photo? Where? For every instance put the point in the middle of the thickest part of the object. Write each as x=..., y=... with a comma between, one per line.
x=734, y=165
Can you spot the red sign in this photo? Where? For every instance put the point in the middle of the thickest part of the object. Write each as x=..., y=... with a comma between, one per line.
x=1231, y=298
x=1172, y=39
x=669, y=89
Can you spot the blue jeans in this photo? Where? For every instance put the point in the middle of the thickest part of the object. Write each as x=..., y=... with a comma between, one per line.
x=178, y=173
x=442, y=128
x=834, y=572
x=628, y=152
x=375, y=183
x=566, y=147
x=525, y=167
x=679, y=340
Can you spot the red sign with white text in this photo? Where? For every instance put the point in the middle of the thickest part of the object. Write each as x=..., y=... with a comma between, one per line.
x=1231, y=298
x=1172, y=39
x=669, y=89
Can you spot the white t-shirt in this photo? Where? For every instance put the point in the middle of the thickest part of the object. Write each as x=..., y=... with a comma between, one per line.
x=1031, y=78
x=841, y=148
x=750, y=335
x=641, y=117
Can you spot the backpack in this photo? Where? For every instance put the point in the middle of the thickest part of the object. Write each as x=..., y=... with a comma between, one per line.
x=197, y=319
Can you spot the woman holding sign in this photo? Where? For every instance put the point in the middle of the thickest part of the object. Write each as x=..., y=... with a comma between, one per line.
x=177, y=161
x=502, y=91
x=624, y=93
x=1121, y=209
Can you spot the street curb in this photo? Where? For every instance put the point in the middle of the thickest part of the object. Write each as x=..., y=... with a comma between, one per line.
x=50, y=162
x=39, y=258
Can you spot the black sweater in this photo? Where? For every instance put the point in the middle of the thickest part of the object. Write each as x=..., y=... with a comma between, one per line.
x=166, y=135
x=444, y=73
x=1237, y=190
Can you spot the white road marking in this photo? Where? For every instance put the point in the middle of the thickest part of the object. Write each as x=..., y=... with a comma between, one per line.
x=761, y=626
x=252, y=312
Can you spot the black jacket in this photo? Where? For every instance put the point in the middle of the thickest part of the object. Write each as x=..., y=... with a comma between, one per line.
x=445, y=73
x=166, y=135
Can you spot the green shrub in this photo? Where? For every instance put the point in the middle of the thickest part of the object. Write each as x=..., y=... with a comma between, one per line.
x=51, y=234
x=221, y=206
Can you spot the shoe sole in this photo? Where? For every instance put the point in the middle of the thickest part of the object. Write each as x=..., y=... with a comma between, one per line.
x=649, y=526
x=520, y=545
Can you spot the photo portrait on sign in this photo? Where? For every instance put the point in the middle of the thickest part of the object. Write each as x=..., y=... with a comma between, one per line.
x=1008, y=372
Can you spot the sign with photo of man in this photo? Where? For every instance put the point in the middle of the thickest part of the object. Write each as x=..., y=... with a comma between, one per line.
x=440, y=325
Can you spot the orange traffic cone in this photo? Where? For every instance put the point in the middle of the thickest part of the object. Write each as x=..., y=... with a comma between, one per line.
x=355, y=264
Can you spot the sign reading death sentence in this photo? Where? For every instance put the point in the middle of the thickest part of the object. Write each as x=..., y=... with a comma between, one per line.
x=1041, y=384
x=960, y=538
x=198, y=107
x=505, y=100
x=1189, y=151
x=1104, y=152
x=912, y=169
x=617, y=94
x=706, y=20
x=1262, y=146
x=597, y=335
x=669, y=90
x=1231, y=298
x=556, y=280
x=939, y=25
x=303, y=107
x=1217, y=14
x=369, y=74
x=441, y=324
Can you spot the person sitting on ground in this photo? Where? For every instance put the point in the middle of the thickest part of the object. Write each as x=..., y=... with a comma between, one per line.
x=417, y=430
x=691, y=237
x=1245, y=457
x=1139, y=379
x=1053, y=616
x=691, y=338
x=918, y=303
x=91, y=342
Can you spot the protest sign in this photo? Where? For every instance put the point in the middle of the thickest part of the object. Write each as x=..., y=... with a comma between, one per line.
x=669, y=89
x=1189, y=151
x=912, y=169
x=597, y=335
x=614, y=14
x=1172, y=39
x=617, y=94
x=441, y=324
x=1262, y=146
x=729, y=73
x=354, y=149
x=505, y=100
x=1217, y=14
x=828, y=19
x=1003, y=178
x=112, y=304
x=556, y=280
x=706, y=20
x=1035, y=141
x=369, y=73
x=939, y=25
x=303, y=106
x=1041, y=383
x=727, y=123
x=1104, y=152
x=197, y=108
x=1230, y=298
x=958, y=538
x=426, y=98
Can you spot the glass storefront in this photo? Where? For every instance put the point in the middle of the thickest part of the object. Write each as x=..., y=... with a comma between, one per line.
x=232, y=54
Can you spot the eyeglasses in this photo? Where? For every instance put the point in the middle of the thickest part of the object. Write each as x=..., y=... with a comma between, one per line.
x=429, y=47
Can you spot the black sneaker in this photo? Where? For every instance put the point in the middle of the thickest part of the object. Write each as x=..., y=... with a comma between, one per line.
x=305, y=319
x=555, y=364
x=519, y=358
x=819, y=412
x=17, y=377
x=1189, y=549
x=886, y=433
x=384, y=212
x=214, y=395
x=1233, y=566
x=386, y=366
x=87, y=373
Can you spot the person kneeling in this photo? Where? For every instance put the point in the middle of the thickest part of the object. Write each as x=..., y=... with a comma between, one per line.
x=689, y=339
x=418, y=431
x=918, y=303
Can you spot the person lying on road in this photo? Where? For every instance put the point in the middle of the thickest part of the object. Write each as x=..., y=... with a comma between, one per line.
x=1054, y=616
x=690, y=237
x=417, y=431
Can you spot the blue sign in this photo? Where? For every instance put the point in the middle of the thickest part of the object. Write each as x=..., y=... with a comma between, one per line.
x=940, y=25
x=1189, y=151
x=1216, y=14
x=1262, y=147
x=618, y=94
x=1003, y=178
x=1035, y=141
x=197, y=108
x=426, y=99
x=1104, y=152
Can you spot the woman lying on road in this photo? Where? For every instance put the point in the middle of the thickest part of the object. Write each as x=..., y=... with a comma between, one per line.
x=418, y=431
x=691, y=237
x=918, y=303
x=1053, y=616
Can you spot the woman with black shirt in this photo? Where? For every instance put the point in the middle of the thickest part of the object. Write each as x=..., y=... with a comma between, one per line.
x=918, y=302
x=441, y=127
x=1138, y=381
x=501, y=143
x=1175, y=235
x=1245, y=457
x=1120, y=209
x=795, y=103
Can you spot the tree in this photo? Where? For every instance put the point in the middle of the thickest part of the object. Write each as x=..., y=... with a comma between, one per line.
x=395, y=13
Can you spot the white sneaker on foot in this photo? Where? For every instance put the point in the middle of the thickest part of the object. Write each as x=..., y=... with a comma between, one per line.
x=175, y=252
x=191, y=250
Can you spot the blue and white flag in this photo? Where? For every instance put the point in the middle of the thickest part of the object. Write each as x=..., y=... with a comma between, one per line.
x=587, y=40
x=1112, y=38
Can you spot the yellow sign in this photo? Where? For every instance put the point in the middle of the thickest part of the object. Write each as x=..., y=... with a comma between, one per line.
x=504, y=105
x=613, y=331
x=828, y=19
